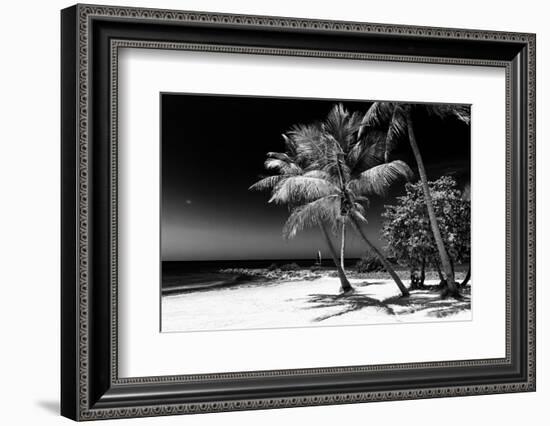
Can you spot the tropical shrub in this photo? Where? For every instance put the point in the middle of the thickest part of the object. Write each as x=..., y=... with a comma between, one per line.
x=369, y=263
x=406, y=227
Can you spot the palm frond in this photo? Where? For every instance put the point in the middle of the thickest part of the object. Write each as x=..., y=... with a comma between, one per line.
x=280, y=156
x=355, y=121
x=306, y=141
x=361, y=200
x=360, y=209
x=290, y=145
x=342, y=126
x=268, y=182
x=397, y=129
x=319, y=174
x=378, y=115
x=368, y=151
x=336, y=125
x=360, y=216
x=331, y=145
x=462, y=112
x=282, y=166
x=305, y=133
x=334, y=159
x=377, y=180
x=312, y=214
x=336, y=118
x=299, y=189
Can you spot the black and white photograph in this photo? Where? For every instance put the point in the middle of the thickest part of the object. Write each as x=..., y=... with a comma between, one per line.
x=296, y=212
x=266, y=207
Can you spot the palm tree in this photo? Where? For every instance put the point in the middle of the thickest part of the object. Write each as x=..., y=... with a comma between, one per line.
x=337, y=204
x=397, y=119
x=355, y=163
x=294, y=185
x=339, y=171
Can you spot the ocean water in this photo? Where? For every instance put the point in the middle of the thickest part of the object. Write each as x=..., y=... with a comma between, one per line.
x=185, y=276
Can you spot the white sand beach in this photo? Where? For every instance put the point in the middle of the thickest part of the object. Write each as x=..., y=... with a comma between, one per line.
x=306, y=303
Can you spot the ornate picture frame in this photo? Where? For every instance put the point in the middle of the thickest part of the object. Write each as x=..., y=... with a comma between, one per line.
x=91, y=39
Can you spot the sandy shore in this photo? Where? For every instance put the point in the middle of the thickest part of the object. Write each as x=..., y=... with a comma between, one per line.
x=314, y=301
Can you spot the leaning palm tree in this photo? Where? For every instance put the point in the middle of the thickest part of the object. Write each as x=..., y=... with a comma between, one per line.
x=339, y=172
x=397, y=119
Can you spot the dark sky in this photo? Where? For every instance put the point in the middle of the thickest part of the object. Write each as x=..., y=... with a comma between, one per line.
x=213, y=149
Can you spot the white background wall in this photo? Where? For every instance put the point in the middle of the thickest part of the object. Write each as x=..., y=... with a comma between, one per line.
x=29, y=211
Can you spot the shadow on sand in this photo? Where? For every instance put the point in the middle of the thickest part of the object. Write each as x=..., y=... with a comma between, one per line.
x=430, y=303
x=426, y=301
x=347, y=302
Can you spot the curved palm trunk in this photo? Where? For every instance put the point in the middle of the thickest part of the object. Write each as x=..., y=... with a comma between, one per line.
x=343, y=246
x=467, y=277
x=436, y=264
x=346, y=286
x=442, y=283
x=380, y=256
x=448, y=273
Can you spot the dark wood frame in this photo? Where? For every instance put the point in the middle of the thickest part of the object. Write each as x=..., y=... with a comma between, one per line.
x=91, y=37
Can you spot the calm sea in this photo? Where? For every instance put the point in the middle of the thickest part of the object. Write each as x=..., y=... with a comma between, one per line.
x=183, y=276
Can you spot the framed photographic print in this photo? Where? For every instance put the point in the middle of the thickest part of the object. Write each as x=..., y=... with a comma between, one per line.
x=264, y=212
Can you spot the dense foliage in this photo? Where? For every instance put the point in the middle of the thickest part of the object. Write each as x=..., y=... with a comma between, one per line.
x=406, y=226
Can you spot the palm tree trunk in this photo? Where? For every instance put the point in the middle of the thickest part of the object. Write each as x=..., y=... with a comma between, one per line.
x=436, y=264
x=346, y=286
x=382, y=258
x=343, y=246
x=442, y=283
x=423, y=272
x=448, y=273
x=467, y=277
